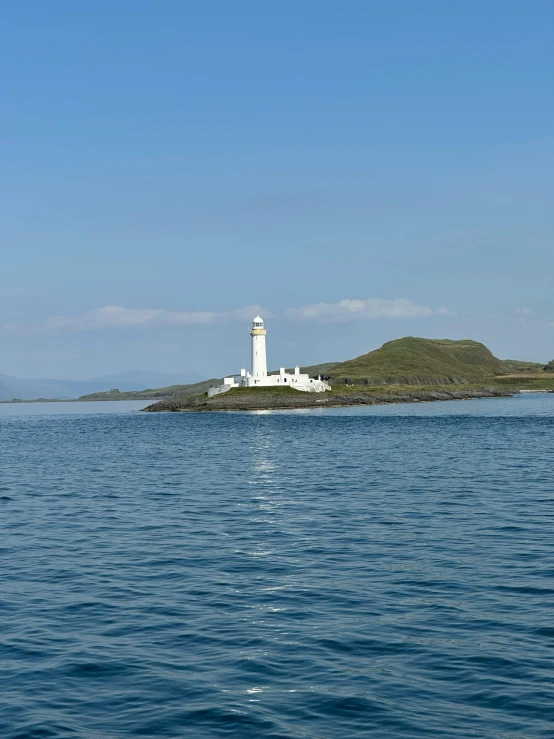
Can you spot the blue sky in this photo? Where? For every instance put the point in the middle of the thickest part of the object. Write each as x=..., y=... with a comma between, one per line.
x=360, y=171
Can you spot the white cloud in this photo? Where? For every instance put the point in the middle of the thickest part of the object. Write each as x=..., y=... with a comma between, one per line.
x=352, y=310
x=117, y=317
x=525, y=311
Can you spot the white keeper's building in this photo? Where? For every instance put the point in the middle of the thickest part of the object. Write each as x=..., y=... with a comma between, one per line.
x=259, y=377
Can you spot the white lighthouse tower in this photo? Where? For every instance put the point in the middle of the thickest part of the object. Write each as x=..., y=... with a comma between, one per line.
x=259, y=359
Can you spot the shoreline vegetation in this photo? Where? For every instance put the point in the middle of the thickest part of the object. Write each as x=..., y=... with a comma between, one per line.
x=407, y=370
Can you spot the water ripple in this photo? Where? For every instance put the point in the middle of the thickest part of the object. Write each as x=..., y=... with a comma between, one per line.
x=341, y=573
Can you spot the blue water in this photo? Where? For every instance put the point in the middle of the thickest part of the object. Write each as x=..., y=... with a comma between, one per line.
x=376, y=572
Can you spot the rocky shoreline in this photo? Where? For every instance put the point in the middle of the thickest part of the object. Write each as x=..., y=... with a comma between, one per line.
x=296, y=400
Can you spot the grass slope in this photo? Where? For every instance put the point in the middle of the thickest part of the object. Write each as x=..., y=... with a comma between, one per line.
x=516, y=365
x=161, y=392
x=412, y=361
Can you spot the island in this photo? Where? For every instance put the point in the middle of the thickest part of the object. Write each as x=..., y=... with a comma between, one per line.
x=407, y=370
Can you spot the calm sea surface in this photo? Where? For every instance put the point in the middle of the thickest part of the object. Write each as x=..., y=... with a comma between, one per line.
x=327, y=574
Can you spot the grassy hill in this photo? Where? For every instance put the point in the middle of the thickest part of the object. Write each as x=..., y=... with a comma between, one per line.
x=415, y=361
x=154, y=393
x=516, y=365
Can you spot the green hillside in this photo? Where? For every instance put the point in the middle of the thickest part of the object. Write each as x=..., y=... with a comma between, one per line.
x=516, y=365
x=154, y=393
x=317, y=369
x=412, y=361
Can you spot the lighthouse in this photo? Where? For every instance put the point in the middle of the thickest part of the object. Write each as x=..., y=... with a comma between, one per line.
x=259, y=359
x=259, y=377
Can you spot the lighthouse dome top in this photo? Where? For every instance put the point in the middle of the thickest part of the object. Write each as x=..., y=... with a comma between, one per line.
x=258, y=321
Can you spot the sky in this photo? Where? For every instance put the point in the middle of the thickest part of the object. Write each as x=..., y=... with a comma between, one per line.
x=354, y=171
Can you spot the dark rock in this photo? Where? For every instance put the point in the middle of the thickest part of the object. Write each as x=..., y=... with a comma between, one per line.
x=267, y=400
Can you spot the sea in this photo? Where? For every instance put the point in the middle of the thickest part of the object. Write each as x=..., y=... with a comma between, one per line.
x=321, y=574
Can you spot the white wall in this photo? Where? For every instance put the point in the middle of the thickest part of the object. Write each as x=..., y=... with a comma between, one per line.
x=259, y=359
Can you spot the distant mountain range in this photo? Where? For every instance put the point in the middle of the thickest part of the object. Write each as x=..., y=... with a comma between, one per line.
x=31, y=388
